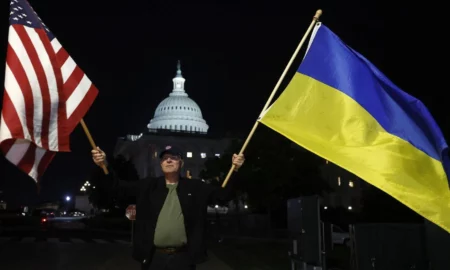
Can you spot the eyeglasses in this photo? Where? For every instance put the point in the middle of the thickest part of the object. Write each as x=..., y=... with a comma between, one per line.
x=166, y=157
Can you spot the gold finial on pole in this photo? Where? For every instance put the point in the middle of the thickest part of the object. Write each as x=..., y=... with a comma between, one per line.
x=318, y=14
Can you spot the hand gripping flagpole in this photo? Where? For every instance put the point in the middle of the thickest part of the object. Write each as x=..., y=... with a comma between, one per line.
x=302, y=41
x=94, y=146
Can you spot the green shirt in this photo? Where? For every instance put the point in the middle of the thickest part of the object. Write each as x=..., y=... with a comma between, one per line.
x=170, y=230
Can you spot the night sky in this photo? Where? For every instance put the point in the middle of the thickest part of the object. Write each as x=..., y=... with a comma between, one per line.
x=232, y=55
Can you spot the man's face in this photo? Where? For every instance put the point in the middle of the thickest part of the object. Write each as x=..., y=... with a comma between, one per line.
x=171, y=163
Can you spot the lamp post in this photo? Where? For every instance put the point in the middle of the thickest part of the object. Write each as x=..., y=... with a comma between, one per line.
x=86, y=186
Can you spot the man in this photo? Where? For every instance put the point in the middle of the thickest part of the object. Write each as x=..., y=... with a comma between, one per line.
x=171, y=213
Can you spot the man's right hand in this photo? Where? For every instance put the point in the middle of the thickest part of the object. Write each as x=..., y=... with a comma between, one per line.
x=98, y=156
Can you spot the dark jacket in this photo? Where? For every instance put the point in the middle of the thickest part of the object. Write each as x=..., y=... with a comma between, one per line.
x=194, y=196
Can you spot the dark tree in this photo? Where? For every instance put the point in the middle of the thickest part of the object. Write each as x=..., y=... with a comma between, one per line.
x=379, y=206
x=101, y=196
x=275, y=169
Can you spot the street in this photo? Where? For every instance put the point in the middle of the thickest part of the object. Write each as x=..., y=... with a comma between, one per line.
x=76, y=249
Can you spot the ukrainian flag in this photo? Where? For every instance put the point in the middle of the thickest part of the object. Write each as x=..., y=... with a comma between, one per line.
x=341, y=107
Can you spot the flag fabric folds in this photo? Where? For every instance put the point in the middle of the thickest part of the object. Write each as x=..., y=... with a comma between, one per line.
x=45, y=93
x=339, y=106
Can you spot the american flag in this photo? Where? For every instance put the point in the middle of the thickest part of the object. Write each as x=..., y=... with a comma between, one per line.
x=45, y=96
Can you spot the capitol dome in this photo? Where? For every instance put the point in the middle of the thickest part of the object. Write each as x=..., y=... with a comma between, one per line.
x=178, y=112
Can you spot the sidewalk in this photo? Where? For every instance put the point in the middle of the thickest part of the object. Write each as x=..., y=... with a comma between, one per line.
x=213, y=263
x=126, y=262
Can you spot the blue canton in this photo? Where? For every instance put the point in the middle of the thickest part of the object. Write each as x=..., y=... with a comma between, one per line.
x=23, y=14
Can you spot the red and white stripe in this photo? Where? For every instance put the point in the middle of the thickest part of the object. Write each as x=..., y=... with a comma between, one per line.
x=46, y=95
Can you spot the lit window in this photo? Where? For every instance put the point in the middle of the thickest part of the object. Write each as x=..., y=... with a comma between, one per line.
x=217, y=155
x=189, y=154
x=203, y=155
x=339, y=180
x=350, y=184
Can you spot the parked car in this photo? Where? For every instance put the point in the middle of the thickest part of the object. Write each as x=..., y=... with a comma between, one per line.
x=339, y=236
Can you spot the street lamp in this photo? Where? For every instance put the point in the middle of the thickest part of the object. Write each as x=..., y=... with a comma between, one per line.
x=68, y=198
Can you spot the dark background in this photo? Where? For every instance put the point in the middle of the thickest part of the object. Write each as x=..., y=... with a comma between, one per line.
x=232, y=55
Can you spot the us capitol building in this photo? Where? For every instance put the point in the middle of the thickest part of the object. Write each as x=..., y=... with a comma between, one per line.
x=177, y=121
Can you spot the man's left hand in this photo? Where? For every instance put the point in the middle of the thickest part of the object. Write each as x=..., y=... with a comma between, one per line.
x=237, y=161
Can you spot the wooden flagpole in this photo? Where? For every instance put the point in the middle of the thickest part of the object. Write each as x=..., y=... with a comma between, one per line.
x=302, y=41
x=94, y=146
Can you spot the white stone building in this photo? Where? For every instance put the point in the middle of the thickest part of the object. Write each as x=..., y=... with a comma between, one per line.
x=177, y=121
x=178, y=112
